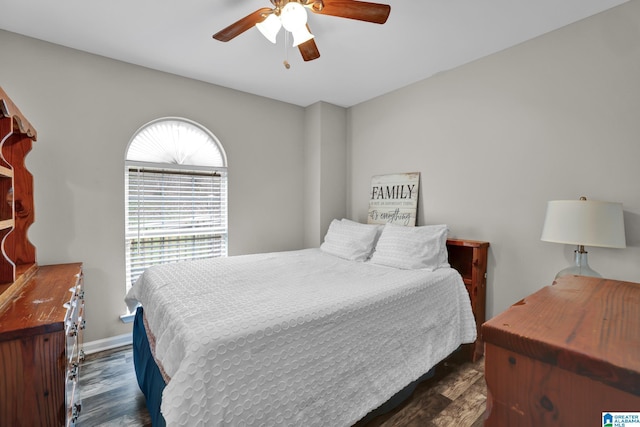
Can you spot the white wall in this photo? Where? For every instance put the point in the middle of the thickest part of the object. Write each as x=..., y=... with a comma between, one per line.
x=325, y=169
x=86, y=108
x=557, y=117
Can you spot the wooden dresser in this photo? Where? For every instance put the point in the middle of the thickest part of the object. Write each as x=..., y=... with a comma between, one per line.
x=40, y=349
x=41, y=308
x=564, y=355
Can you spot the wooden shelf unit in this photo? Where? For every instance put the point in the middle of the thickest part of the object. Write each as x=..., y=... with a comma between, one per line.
x=469, y=257
x=16, y=198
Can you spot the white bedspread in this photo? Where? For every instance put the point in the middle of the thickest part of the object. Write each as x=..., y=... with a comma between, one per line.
x=297, y=338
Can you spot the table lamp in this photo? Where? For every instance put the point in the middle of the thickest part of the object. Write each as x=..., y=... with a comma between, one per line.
x=584, y=223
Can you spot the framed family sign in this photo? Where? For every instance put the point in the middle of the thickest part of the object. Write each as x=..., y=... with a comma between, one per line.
x=394, y=199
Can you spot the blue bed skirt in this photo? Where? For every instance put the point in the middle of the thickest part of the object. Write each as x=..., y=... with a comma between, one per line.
x=152, y=384
x=147, y=372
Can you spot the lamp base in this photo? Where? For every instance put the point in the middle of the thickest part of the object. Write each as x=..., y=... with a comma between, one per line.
x=581, y=267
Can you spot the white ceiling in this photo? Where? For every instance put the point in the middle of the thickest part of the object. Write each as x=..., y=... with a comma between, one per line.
x=358, y=61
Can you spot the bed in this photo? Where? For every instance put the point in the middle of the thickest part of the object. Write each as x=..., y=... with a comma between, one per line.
x=318, y=336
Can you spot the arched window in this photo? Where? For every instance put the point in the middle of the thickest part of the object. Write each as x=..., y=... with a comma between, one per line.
x=175, y=195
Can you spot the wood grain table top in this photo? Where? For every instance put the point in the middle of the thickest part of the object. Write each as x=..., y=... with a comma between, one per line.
x=589, y=326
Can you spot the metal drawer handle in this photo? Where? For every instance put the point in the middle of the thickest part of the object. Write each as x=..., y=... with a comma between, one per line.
x=73, y=373
x=75, y=412
x=74, y=330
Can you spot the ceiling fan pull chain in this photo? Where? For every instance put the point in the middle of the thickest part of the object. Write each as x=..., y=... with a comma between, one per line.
x=286, y=51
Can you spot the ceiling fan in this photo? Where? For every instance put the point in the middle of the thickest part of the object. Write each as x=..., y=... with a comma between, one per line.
x=292, y=15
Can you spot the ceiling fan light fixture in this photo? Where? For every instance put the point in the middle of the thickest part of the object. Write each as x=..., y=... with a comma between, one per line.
x=292, y=15
x=301, y=35
x=294, y=20
x=270, y=27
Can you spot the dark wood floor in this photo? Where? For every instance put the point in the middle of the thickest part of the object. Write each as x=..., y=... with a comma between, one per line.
x=456, y=396
x=109, y=391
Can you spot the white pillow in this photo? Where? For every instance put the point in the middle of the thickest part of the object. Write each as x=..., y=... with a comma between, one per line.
x=412, y=247
x=350, y=240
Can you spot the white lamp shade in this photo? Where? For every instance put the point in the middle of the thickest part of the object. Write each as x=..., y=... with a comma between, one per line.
x=301, y=35
x=584, y=222
x=270, y=27
x=293, y=16
x=294, y=20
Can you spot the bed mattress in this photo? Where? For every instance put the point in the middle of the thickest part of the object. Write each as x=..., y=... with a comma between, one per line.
x=295, y=338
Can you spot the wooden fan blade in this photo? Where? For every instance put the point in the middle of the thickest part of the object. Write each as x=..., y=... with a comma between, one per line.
x=352, y=9
x=309, y=50
x=242, y=25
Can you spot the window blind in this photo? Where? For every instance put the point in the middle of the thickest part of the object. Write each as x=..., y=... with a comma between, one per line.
x=174, y=215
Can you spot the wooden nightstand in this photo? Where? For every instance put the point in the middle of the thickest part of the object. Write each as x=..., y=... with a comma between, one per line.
x=564, y=355
x=469, y=257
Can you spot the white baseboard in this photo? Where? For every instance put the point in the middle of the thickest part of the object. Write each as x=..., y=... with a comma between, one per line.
x=107, y=343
